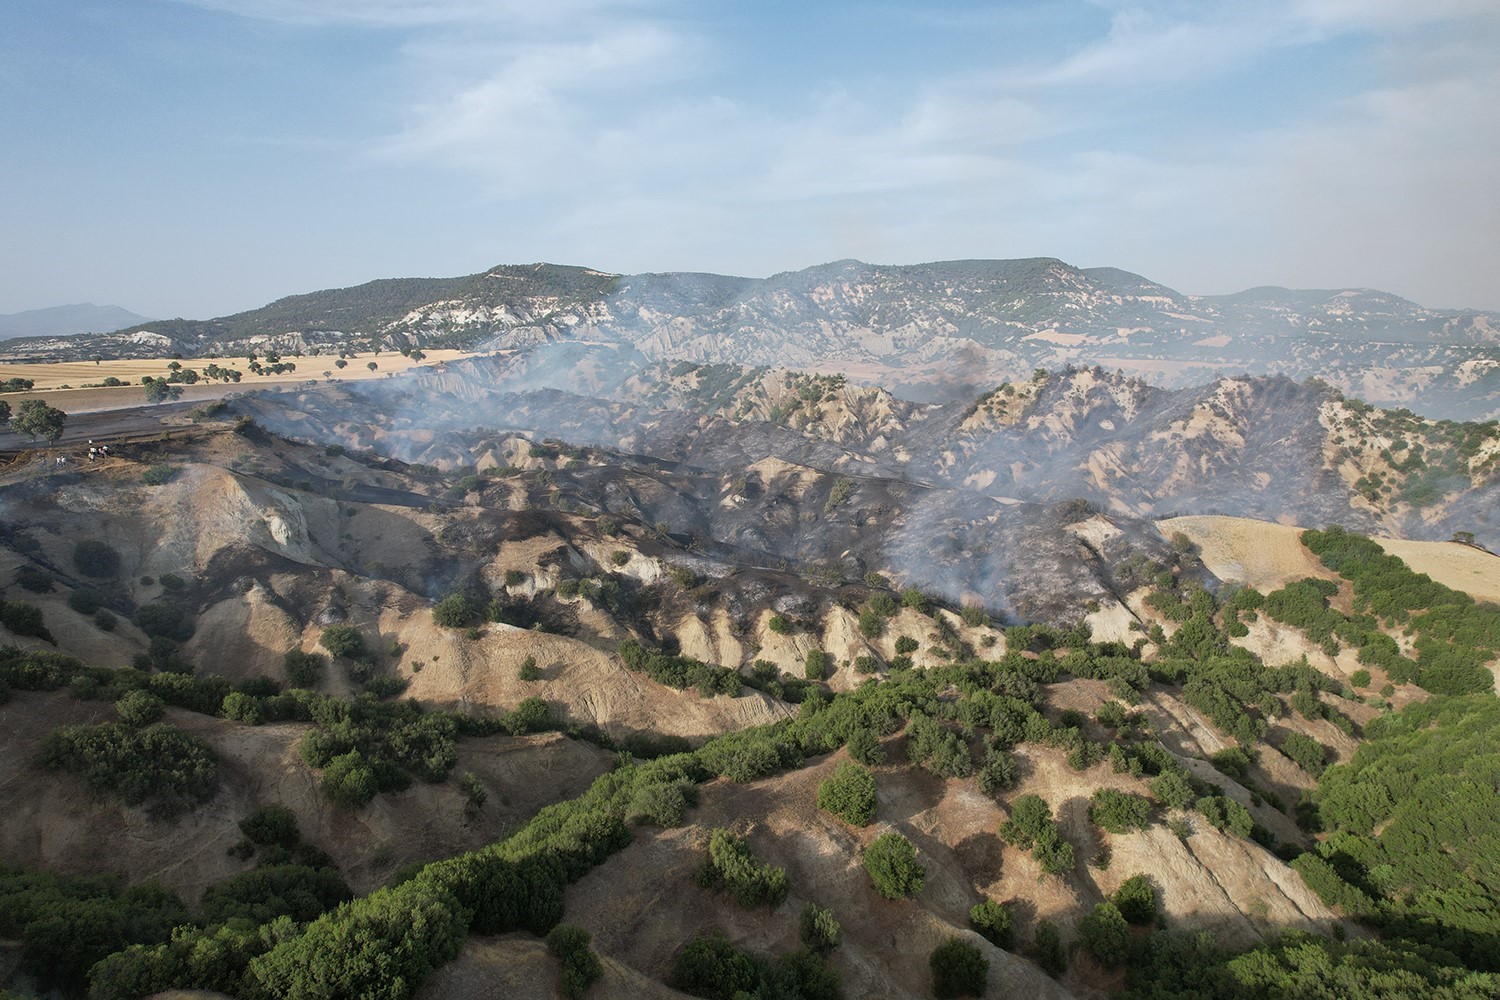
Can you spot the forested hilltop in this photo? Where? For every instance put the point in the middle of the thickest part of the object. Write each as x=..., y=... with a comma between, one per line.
x=932, y=330
x=297, y=721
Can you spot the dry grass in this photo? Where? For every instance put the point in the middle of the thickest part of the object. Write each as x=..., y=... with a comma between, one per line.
x=50, y=379
x=1267, y=556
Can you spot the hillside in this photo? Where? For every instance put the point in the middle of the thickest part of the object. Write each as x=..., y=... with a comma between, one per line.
x=929, y=330
x=553, y=558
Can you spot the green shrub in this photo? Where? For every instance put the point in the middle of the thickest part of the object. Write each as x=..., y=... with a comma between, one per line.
x=1136, y=900
x=453, y=611
x=349, y=781
x=996, y=921
x=905, y=645
x=662, y=803
x=1119, y=812
x=158, y=475
x=569, y=944
x=865, y=747
x=891, y=862
x=819, y=928
x=849, y=793
x=379, y=947
x=913, y=598
x=34, y=579
x=1050, y=953
x=261, y=895
x=139, y=708
x=958, y=970
x=164, y=619
x=272, y=825
x=157, y=766
x=24, y=618
x=172, y=582
x=816, y=665
x=304, y=670
x=871, y=624
x=1304, y=751
x=779, y=624
x=104, y=620
x=95, y=558
x=343, y=641
x=529, y=671
x=731, y=866
x=85, y=600
x=1105, y=935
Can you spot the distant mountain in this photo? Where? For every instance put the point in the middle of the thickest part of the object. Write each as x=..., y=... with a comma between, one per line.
x=931, y=331
x=67, y=321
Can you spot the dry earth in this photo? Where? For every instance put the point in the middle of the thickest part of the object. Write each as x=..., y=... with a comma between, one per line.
x=1267, y=556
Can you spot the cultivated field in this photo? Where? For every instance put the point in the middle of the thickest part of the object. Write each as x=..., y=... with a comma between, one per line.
x=1266, y=555
x=61, y=384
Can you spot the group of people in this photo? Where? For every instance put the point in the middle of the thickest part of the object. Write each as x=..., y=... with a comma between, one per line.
x=96, y=452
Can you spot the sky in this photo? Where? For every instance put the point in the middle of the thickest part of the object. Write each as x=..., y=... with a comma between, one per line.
x=199, y=157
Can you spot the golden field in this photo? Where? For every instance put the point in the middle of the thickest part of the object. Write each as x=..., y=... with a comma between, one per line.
x=62, y=383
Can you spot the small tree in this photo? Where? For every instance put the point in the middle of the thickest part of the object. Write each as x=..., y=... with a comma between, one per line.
x=1050, y=953
x=138, y=709
x=1105, y=935
x=159, y=390
x=1119, y=812
x=303, y=670
x=1136, y=900
x=580, y=966
x=820, y=929
x=958, y=970
x=272, y=825
x=996, y=921
x=453, y=611
x=343, y=640
x=849, y=793
x=816, y=665
x=891, y=861
x=95, y=558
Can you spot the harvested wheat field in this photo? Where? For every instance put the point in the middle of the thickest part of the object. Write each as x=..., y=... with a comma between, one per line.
x=1267, y=556
x=73, y=385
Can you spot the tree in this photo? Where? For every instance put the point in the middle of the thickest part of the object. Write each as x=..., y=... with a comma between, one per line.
x=580, y=966
x=160, y=390
x=1105, y=935
x=343, y=640
x=95, y=558
x=996, y=921
x=1136, y=900
x=820, y=929
x=958, y=969
x=892, y=863
x=1050, y=953
x=38, y=420
x=371, y=365
x=849, y=793
x=453, y=611
x=4, y=413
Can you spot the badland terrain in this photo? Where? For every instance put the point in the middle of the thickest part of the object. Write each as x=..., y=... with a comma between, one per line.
x=863, y=631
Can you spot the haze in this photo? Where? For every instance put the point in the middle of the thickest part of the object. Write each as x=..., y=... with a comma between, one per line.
x=197, y=157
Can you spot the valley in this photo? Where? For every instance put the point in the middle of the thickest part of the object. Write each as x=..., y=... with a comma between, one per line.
x=559, y=614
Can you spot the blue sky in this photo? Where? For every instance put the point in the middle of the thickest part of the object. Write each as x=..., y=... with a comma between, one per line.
x=196, y=157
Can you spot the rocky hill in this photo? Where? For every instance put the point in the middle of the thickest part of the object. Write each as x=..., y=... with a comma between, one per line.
x=364, y=689
x=932, y=331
